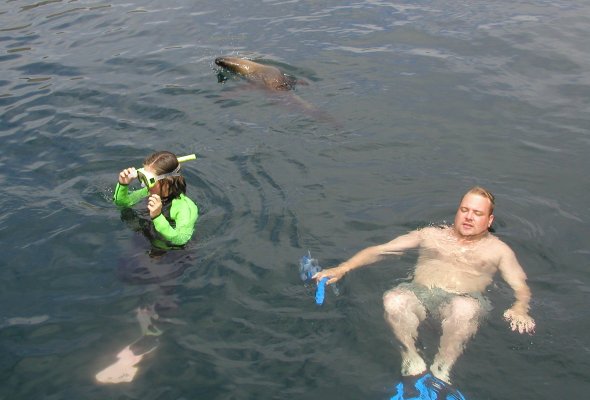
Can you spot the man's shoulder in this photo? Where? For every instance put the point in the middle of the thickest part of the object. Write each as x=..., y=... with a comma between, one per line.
x=429, y=234
x=497, y=244
x=434, y=230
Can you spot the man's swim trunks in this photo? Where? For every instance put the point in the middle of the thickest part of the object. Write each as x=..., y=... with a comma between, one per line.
x=433, y=299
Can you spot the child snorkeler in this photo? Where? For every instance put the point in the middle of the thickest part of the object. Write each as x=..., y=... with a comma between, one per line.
x=173, y=214
x=173, y=217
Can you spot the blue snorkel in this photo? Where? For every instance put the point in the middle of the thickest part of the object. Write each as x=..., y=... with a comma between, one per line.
x=308, y=267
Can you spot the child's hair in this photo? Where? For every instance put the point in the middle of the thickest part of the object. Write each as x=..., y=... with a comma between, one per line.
x=164, y=162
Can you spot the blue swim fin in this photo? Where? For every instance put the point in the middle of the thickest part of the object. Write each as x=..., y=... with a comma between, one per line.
x=425, y=387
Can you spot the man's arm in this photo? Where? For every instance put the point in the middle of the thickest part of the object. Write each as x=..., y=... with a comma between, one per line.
x=371, y=255
x=517, y=315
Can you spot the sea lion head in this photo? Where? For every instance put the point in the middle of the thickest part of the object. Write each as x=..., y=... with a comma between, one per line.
x=237, y=65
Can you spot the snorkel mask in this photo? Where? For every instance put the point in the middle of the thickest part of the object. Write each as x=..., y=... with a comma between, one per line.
x=149, y=180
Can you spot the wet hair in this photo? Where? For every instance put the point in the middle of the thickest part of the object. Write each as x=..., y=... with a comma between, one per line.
x=164, y=162
x=478, y=190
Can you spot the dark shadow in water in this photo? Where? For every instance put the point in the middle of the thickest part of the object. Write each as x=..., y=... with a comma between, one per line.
x=152, y=260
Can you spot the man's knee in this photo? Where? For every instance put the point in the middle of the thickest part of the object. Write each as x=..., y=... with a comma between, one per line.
x=398, y=301
x=463, y=308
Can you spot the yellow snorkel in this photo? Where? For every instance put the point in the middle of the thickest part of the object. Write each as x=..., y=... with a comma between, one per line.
x=186, y=158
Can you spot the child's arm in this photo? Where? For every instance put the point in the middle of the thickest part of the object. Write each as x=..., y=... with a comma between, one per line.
x=184, y=213
x=123, y=198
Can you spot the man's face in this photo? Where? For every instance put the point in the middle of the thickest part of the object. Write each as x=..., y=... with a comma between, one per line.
x=473, y=216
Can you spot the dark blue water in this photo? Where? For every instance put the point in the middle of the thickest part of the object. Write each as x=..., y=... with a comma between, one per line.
x=408, y=105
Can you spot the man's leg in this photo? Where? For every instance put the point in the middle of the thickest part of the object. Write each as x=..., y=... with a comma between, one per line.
x=404, y=312
x=459, y=323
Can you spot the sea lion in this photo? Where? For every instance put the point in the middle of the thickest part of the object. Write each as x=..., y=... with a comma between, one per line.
x=265, y=75
x=274, y=81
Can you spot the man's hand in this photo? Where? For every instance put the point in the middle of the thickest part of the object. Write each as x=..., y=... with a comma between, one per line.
x=154, y=205
x=520, y=321
x=127, y=175
x=335, y=274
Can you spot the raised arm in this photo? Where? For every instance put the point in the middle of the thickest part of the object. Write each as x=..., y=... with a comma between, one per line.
x=371, y=255
x=517, y=315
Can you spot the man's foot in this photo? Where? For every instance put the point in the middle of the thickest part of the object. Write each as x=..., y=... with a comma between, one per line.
x=413, y=365
x=439, y=371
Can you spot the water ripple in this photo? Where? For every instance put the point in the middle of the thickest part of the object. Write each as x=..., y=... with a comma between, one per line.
x=424, y=100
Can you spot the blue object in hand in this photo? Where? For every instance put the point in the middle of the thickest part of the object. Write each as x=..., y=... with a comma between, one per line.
x=319, y=293
x=308, y=267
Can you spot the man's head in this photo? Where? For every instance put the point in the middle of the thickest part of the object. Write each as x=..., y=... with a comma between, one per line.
x=475, y=213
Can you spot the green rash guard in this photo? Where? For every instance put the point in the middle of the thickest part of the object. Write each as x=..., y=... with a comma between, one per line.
x=183, y=211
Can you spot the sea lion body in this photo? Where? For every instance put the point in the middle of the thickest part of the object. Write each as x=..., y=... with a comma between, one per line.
x=265, y=75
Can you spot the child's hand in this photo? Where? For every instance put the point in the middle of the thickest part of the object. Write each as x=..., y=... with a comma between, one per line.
x=154, y=205
x=127, y=175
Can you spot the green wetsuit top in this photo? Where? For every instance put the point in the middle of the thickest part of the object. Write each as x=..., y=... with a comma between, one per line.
x=183, y=212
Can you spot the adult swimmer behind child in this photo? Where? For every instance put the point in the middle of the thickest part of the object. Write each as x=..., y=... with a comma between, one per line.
x=173, y=217
x=455, y=265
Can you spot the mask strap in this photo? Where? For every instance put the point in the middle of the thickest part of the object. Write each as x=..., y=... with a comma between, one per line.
x=173, y=173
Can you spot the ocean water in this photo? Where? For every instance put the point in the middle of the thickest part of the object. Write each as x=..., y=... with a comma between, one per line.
x=406, y=106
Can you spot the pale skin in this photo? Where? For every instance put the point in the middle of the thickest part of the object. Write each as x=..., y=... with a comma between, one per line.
x=460, y=259
x=154, y=204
